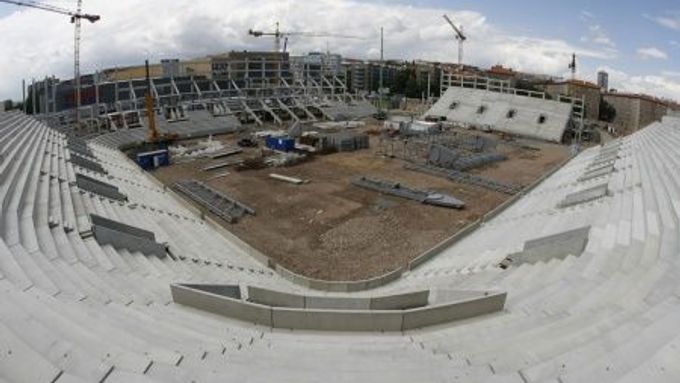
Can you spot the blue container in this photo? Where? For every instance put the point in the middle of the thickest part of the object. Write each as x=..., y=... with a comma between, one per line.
x=153, y=160
x=284, y=144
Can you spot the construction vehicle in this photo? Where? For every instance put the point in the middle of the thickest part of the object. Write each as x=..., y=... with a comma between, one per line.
x=76, y=17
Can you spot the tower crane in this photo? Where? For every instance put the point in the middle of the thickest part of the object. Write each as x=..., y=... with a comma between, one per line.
x=279, y=36
x=572, y=66
x=460, y=37
x=76, y=18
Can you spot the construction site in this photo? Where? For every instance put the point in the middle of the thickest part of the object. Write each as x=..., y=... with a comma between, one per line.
x=259, y=218
x=319, y=224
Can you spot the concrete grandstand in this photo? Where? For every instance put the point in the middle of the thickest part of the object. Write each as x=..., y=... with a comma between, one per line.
x=492, y=105
x=586, y=291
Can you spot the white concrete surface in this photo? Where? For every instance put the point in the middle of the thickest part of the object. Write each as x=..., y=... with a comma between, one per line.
x=75, y=311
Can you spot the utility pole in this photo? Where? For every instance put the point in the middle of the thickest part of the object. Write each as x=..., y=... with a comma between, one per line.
x=23, y=94
x=33, y=97
x=429, y=79
x=382, y=57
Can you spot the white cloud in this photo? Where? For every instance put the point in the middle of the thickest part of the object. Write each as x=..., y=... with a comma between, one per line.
x=671, y=21
x=648, y=53
x=586, y=15
x=132, y=30
x=666, y=85
x=597, y=35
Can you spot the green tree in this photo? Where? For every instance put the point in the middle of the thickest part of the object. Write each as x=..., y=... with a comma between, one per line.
x=607, y=111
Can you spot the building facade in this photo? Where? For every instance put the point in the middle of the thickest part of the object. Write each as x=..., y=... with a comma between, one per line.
x=577, y=89
x=364, y=76
x=635, y=111
x=252, y=69
x=603, y=81
x=316, y=65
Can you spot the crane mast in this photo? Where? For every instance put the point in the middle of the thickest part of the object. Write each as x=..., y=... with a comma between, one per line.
x=76, y=59
x=460, y=37
x=76, y=19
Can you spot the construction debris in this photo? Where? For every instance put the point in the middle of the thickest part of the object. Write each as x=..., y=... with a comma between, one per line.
x=201, y=149
x=220, y=165
x=466, y=178
x=344, y=141
x=328, y=125
x=292, y=180
x=218, y=176
x=226, y=153
x=396, y=189
x=444, y=157
x=216, y=202
x=284, y=159
x=247, y=142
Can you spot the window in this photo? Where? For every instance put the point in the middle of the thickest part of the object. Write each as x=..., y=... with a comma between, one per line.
x=511, y=113
x=542, y=118
x=481, y=109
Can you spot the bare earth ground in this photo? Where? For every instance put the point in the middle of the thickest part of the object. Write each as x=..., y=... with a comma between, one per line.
x=330, y=229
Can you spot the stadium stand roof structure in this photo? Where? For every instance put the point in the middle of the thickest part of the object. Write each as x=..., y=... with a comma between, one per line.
x=590, y=272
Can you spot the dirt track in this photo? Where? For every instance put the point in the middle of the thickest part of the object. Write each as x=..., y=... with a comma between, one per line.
x=330, y=229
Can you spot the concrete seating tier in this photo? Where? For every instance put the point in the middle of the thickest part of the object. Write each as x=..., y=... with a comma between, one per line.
x=75, y=310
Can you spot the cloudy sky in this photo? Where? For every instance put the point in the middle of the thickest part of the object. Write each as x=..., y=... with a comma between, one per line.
x=637, y=42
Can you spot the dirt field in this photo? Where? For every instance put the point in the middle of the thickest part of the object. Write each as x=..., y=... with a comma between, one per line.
x=330, y=229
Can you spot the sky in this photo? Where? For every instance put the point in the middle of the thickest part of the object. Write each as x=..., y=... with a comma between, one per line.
x=637, y=42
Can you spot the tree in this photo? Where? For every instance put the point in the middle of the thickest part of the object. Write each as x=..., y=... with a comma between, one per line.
x=607, y=111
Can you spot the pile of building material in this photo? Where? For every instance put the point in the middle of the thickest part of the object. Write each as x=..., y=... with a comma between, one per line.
x=441, y=156
x=291, y=180
x=216, y=202
x=205, y=148
x=330, y=125
x=407, y=126
x=284, y=159
x=267, y=133
x=223, y=164
x=467, y=178
x=476, y=143
x=344, y=141
x=230, y=151
x=478, y=160
x=396, y=189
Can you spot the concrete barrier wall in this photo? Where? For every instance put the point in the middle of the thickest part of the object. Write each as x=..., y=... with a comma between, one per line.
x=275, y=298
x=335, y=319
x=449, y=312
x=339, y=286
x=390, y=302
x=222, y=305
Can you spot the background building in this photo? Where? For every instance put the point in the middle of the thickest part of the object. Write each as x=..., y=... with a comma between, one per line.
x=603, y=81
x=316, y=65
x=365, y=75
x=577, y=89
x=635, y=111
x=252, y=69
